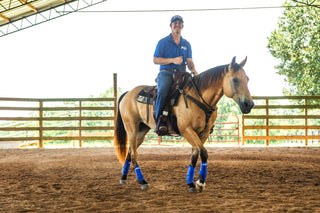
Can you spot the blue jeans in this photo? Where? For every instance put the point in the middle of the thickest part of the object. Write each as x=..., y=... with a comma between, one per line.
x=164, y=81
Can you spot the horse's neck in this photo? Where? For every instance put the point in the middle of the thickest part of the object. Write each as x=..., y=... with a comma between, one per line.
x=213, y=94
x=214, y=97
x=210, y=95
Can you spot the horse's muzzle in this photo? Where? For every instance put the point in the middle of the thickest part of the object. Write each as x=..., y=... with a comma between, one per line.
x=246, y=105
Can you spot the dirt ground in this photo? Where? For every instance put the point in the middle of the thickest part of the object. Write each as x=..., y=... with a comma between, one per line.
x=240, y=179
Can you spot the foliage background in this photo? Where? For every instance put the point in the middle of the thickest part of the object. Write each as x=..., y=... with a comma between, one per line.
x=296, y=43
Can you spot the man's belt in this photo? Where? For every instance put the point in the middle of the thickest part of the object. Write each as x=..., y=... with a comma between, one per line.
x=171, y=70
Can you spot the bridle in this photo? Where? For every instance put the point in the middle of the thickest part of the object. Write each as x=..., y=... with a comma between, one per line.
x=207, y=108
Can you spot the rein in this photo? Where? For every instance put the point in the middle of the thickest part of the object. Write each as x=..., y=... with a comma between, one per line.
x=208, y=110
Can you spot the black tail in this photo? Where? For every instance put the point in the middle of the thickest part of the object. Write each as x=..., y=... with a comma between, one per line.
x=120, y=135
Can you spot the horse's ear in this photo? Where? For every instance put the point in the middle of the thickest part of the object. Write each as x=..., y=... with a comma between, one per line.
x=233, y=62
x=243, y=62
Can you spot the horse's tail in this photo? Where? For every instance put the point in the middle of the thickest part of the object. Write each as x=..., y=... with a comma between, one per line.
x=120, y=135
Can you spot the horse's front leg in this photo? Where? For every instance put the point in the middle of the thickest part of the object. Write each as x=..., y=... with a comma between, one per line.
x=203, y=169
x=191, y=169
x=197, y=148
x=202, y=172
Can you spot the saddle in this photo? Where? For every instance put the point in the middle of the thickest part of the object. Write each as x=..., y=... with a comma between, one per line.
x=148, y=95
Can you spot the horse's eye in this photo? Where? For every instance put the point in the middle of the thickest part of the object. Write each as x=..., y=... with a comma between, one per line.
x=236, y=82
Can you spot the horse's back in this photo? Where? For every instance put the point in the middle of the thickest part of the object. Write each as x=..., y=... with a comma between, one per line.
x=132, y=94
x=132, y=110
x=130, y=97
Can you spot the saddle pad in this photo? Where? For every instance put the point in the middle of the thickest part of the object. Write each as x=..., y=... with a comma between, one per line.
x=145, y=96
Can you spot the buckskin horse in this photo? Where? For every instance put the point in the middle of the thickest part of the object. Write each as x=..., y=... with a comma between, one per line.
x=195, y=113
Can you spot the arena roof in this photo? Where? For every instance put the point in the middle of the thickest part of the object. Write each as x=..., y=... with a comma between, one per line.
x=16, y=15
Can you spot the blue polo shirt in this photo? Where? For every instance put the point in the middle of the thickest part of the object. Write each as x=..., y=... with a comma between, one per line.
x=167, y=48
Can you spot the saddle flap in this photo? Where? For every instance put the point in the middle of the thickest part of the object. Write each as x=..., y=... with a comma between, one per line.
x=147, y=94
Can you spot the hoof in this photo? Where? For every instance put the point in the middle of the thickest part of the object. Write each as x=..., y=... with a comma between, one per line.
x=200, y=186
x=145, y=186
x=123, y=181
x=192, y=187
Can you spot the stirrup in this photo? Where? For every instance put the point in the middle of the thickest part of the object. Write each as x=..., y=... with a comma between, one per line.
x=161, y=129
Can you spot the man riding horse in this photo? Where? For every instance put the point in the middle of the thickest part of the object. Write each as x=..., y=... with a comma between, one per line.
x=172, y=53
x=194, y=111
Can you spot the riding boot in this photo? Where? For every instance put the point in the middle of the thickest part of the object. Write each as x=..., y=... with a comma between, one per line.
x=161, y=127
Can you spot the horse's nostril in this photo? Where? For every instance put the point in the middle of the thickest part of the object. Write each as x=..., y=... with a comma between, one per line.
x=247, y=104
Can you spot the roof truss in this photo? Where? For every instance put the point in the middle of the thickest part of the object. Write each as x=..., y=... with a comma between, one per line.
x=16, y=15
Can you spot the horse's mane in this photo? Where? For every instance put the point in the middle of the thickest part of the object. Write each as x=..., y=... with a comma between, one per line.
x=207, y=78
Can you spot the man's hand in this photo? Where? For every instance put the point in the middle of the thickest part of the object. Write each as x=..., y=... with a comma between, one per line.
x=191, y=66
x=177, y=60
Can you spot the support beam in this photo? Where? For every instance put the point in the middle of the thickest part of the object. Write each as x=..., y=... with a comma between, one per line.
x=29, y=5
x=4, y=17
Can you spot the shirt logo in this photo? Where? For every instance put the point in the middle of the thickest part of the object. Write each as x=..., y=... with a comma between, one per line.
x=184, y=48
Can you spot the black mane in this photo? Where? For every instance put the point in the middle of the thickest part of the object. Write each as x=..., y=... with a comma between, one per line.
x=206, y=78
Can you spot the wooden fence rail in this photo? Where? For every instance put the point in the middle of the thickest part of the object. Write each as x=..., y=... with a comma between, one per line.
x=43, y=116
x=76, y=111
x=274, y=113
x=272, y=119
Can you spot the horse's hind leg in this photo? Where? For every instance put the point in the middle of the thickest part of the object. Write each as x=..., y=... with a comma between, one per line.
x=135, y=141
x=143, y=130
x=125, y=168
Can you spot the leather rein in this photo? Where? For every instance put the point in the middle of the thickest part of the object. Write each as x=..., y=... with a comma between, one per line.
x=208, y=110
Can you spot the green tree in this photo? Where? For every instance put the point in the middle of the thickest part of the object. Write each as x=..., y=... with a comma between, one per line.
x=296, y=43
x=227, y=106
x=109, y=93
